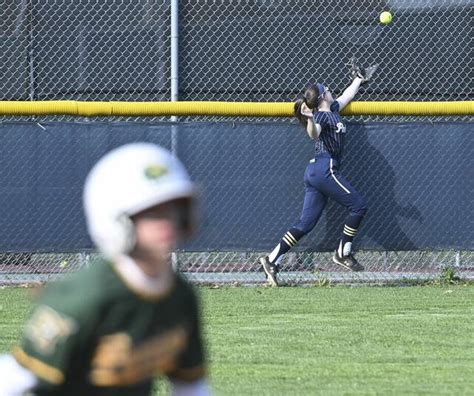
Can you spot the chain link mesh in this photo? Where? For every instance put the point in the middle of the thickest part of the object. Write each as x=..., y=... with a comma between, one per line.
x=233, y=50
x=236, y=50
x=239, y=268
x=85, y=50
x=251, y=180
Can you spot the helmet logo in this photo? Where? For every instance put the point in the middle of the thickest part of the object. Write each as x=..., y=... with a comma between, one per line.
x=154, y=172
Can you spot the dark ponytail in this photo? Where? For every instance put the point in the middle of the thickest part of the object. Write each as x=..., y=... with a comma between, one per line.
x=297, y=108
x=311, y=95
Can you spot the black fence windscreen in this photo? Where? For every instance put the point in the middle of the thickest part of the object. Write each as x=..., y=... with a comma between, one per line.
x=417, y=178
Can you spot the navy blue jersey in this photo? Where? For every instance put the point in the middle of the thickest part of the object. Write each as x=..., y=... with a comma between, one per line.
x=331, y=138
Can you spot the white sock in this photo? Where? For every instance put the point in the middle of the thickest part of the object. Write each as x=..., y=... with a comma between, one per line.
x=278, y=261
x=344, y=250
x=274, y=254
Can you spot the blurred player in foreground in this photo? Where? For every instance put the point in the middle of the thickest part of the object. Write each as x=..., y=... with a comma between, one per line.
x=318, y=113
x=111, y=328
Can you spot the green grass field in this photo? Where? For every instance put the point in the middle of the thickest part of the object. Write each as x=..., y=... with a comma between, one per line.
x=308, y=341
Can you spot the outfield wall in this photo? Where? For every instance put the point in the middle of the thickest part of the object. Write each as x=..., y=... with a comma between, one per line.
x=417, y=178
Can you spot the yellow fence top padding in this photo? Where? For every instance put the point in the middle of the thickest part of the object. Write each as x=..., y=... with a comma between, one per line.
x=410, y=108
x=230, y=109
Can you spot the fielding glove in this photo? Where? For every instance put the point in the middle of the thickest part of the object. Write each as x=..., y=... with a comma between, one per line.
x=363, y=73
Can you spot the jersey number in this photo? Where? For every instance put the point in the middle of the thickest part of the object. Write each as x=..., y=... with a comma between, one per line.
x=341, y=128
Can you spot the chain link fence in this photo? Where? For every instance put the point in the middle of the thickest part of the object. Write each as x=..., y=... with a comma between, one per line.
x=251, y=177
x=233, y=50
x=240, y=268
x=236, y=50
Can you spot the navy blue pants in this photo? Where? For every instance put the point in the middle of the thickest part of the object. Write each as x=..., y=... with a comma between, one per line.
x=322, y=181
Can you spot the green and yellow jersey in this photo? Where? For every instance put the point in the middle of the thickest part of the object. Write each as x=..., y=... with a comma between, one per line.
x=95, y=334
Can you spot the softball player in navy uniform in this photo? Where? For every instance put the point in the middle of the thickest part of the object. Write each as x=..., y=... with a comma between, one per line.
x=112, y=328
x=318, y=112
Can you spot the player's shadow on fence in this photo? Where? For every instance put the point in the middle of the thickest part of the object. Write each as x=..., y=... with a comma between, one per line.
x=370, y=172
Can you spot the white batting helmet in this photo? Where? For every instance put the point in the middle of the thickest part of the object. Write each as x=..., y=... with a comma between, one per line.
x=124, y=182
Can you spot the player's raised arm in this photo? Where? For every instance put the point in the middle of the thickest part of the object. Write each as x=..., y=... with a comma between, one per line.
x=349, y=93
x=360, y=76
